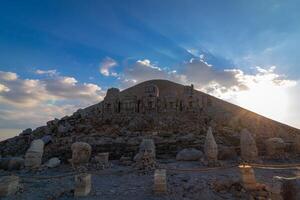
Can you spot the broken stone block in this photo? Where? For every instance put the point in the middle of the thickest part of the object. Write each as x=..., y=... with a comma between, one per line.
x=83, y=185
x=33, y=156
x=9, y=185
x=210, y=147
x=249, y=150
x=291, y=189
x=275, y=148
x=190, y=154
x=248, y=177
x=81, y=153
x=160, y=181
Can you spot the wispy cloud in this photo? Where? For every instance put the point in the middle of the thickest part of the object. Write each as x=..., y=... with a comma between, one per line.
x=106, y=66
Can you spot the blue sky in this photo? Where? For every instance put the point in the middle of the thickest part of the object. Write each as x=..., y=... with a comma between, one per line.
x=75, y=39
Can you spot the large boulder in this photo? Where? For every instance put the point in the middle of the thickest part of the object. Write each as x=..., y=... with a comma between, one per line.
x=81, y=153
x=248, y=146
x=275, y=147
x=190, y=154
x=11, y=163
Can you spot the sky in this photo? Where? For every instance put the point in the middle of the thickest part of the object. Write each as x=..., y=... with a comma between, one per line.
x=58, y=56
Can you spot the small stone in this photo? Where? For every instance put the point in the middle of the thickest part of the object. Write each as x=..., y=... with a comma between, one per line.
x=9, y=185
x=53, y=162
x=83, y=185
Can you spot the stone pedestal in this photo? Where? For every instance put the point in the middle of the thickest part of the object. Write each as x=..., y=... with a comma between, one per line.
x=248, y=177
x=83, y=185
x=160, y=181
x=8, y=185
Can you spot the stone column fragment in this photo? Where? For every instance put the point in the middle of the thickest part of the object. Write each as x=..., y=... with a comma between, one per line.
x=83, y=185
x=160, y=181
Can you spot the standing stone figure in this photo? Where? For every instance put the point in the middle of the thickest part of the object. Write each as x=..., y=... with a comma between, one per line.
x=249, y=150
x=81, y=153
x=145, y=159
x=210, y=148
x=33, y=156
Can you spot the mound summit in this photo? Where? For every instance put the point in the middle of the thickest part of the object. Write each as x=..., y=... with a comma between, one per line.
x=174, y=115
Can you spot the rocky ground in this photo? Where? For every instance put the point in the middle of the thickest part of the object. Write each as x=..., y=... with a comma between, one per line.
x=124, y=182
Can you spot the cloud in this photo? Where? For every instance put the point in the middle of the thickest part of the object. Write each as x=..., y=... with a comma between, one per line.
x=47, y=72
x=8, y=76
x=106, y=65
x=42, y=99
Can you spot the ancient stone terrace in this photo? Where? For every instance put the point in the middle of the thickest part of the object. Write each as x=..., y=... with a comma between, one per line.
x=155, y=96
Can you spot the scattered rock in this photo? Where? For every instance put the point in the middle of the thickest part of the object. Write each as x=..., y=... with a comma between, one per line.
x=53, y=162
x=47, y=139
x=190, y=154
x=26, y=132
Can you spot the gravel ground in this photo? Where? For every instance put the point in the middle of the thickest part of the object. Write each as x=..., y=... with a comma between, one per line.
x=124, y=183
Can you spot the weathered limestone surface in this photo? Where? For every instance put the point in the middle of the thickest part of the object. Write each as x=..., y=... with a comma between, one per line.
x=83, y=185
x=249, y=150
x=8, y=185
x=81, y=153
x=190, y=154
x=210, y=147
x=275, y=148
x=160, y=181
x=33, y=156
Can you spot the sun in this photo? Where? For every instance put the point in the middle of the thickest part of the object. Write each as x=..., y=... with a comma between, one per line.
x=266, y=99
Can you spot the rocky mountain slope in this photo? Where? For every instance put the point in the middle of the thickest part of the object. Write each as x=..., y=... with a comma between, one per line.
x=120, y=132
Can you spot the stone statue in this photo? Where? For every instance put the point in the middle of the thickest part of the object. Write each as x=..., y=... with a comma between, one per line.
x=249, y=150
